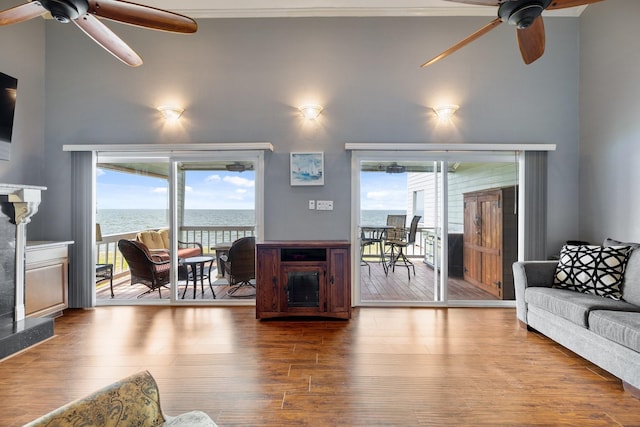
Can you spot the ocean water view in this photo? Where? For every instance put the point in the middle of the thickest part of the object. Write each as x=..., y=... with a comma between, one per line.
x=116, y=221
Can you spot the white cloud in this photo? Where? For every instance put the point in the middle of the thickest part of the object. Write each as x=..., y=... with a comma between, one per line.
x=162, y=190
x=239, y=181
x=212, y=178
x=379, y=195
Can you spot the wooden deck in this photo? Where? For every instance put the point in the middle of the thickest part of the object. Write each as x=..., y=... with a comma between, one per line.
x=396, y=286
x=384, y=367
x=374, y=287
x=124, y=290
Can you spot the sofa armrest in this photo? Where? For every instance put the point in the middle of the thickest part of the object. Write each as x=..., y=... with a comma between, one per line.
x=190, y=244
x=190, y=419
x=528, y=274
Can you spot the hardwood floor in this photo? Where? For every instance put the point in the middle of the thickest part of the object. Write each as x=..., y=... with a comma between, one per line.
x=385, y=367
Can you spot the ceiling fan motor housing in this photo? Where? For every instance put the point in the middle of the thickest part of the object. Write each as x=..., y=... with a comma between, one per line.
x=522, y=13
x=66, y=10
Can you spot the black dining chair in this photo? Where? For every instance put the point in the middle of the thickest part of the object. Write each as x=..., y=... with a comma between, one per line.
x=396, y=225
x=398, y=246
x=365, y=242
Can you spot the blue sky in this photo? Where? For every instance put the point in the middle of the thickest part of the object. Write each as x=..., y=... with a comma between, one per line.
x=228, y=190
x=385, y=191
x=204, y=190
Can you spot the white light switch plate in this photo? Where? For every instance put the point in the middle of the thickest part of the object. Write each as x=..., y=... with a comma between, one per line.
x=312, y=204
x=324, y=205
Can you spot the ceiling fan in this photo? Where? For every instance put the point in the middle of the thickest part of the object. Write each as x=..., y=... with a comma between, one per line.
x=83, y=13
x=525, y=15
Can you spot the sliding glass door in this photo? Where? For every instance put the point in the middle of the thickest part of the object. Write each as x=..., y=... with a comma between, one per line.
x=183, y=212
x=467, y=233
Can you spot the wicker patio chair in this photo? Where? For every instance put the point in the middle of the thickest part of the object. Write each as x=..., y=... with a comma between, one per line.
x=145, y=268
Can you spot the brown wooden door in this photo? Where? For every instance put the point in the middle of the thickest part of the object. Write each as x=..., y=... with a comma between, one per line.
x=491, y=241
x=483, y=240
x=267, y=280
x=339, y=291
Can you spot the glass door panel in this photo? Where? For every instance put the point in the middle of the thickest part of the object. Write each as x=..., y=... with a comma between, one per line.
x=393, y=256
x=132, y=205
x=467, y=235
x=483, y=204
x=216, y=205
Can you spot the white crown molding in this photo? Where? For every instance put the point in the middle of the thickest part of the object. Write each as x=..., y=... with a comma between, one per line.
x=290, y=12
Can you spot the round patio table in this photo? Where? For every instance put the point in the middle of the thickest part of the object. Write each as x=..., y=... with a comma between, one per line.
x=196, y=270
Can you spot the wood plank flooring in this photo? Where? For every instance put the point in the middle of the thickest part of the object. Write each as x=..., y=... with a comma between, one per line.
x=385, y=367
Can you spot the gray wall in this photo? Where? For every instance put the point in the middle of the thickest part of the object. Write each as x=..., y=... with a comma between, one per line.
x=610, y=125
x=22, y=56
x=241, y=80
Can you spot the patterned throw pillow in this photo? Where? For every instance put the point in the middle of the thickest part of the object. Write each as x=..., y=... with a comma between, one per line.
x=593, y=270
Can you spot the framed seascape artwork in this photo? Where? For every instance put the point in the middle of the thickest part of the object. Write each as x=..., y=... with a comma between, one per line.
x=307, y=168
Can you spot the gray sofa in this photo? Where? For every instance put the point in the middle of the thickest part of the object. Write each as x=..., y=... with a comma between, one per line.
x=602, y=330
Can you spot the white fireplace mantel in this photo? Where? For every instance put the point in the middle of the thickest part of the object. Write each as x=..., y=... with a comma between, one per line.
x=12, y=188
x=25, y=199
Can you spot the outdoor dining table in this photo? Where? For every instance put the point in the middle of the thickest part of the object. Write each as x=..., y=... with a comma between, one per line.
x=377, y=234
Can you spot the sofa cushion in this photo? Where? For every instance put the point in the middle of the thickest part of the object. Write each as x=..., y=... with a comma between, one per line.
x=190, y=419
x=163, y=254
x=631, y=282
x=597, y=270
x=189, y=252
x=571, y=305
x=152, y=239
x=620, y=327
x=164, y=235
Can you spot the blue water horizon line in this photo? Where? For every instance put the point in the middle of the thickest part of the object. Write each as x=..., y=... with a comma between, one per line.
x=115, y=221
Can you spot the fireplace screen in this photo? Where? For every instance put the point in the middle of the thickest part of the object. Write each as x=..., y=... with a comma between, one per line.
x=303, y=289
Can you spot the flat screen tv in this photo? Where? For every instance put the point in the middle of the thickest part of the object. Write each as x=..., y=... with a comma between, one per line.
x=8, y=87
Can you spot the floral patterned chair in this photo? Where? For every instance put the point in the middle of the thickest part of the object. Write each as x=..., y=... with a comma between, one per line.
x=132, y=401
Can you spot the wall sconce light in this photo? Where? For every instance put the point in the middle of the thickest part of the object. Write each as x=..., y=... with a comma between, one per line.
x=445, y=112
x=171, y=113
x=310, y=111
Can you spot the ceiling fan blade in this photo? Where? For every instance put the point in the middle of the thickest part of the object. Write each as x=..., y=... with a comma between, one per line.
x=563, y=4
x=142, y=16
x=531, y=41
x=482, y=31
x=478, y=2
x=108, y=39
x=21, y=13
